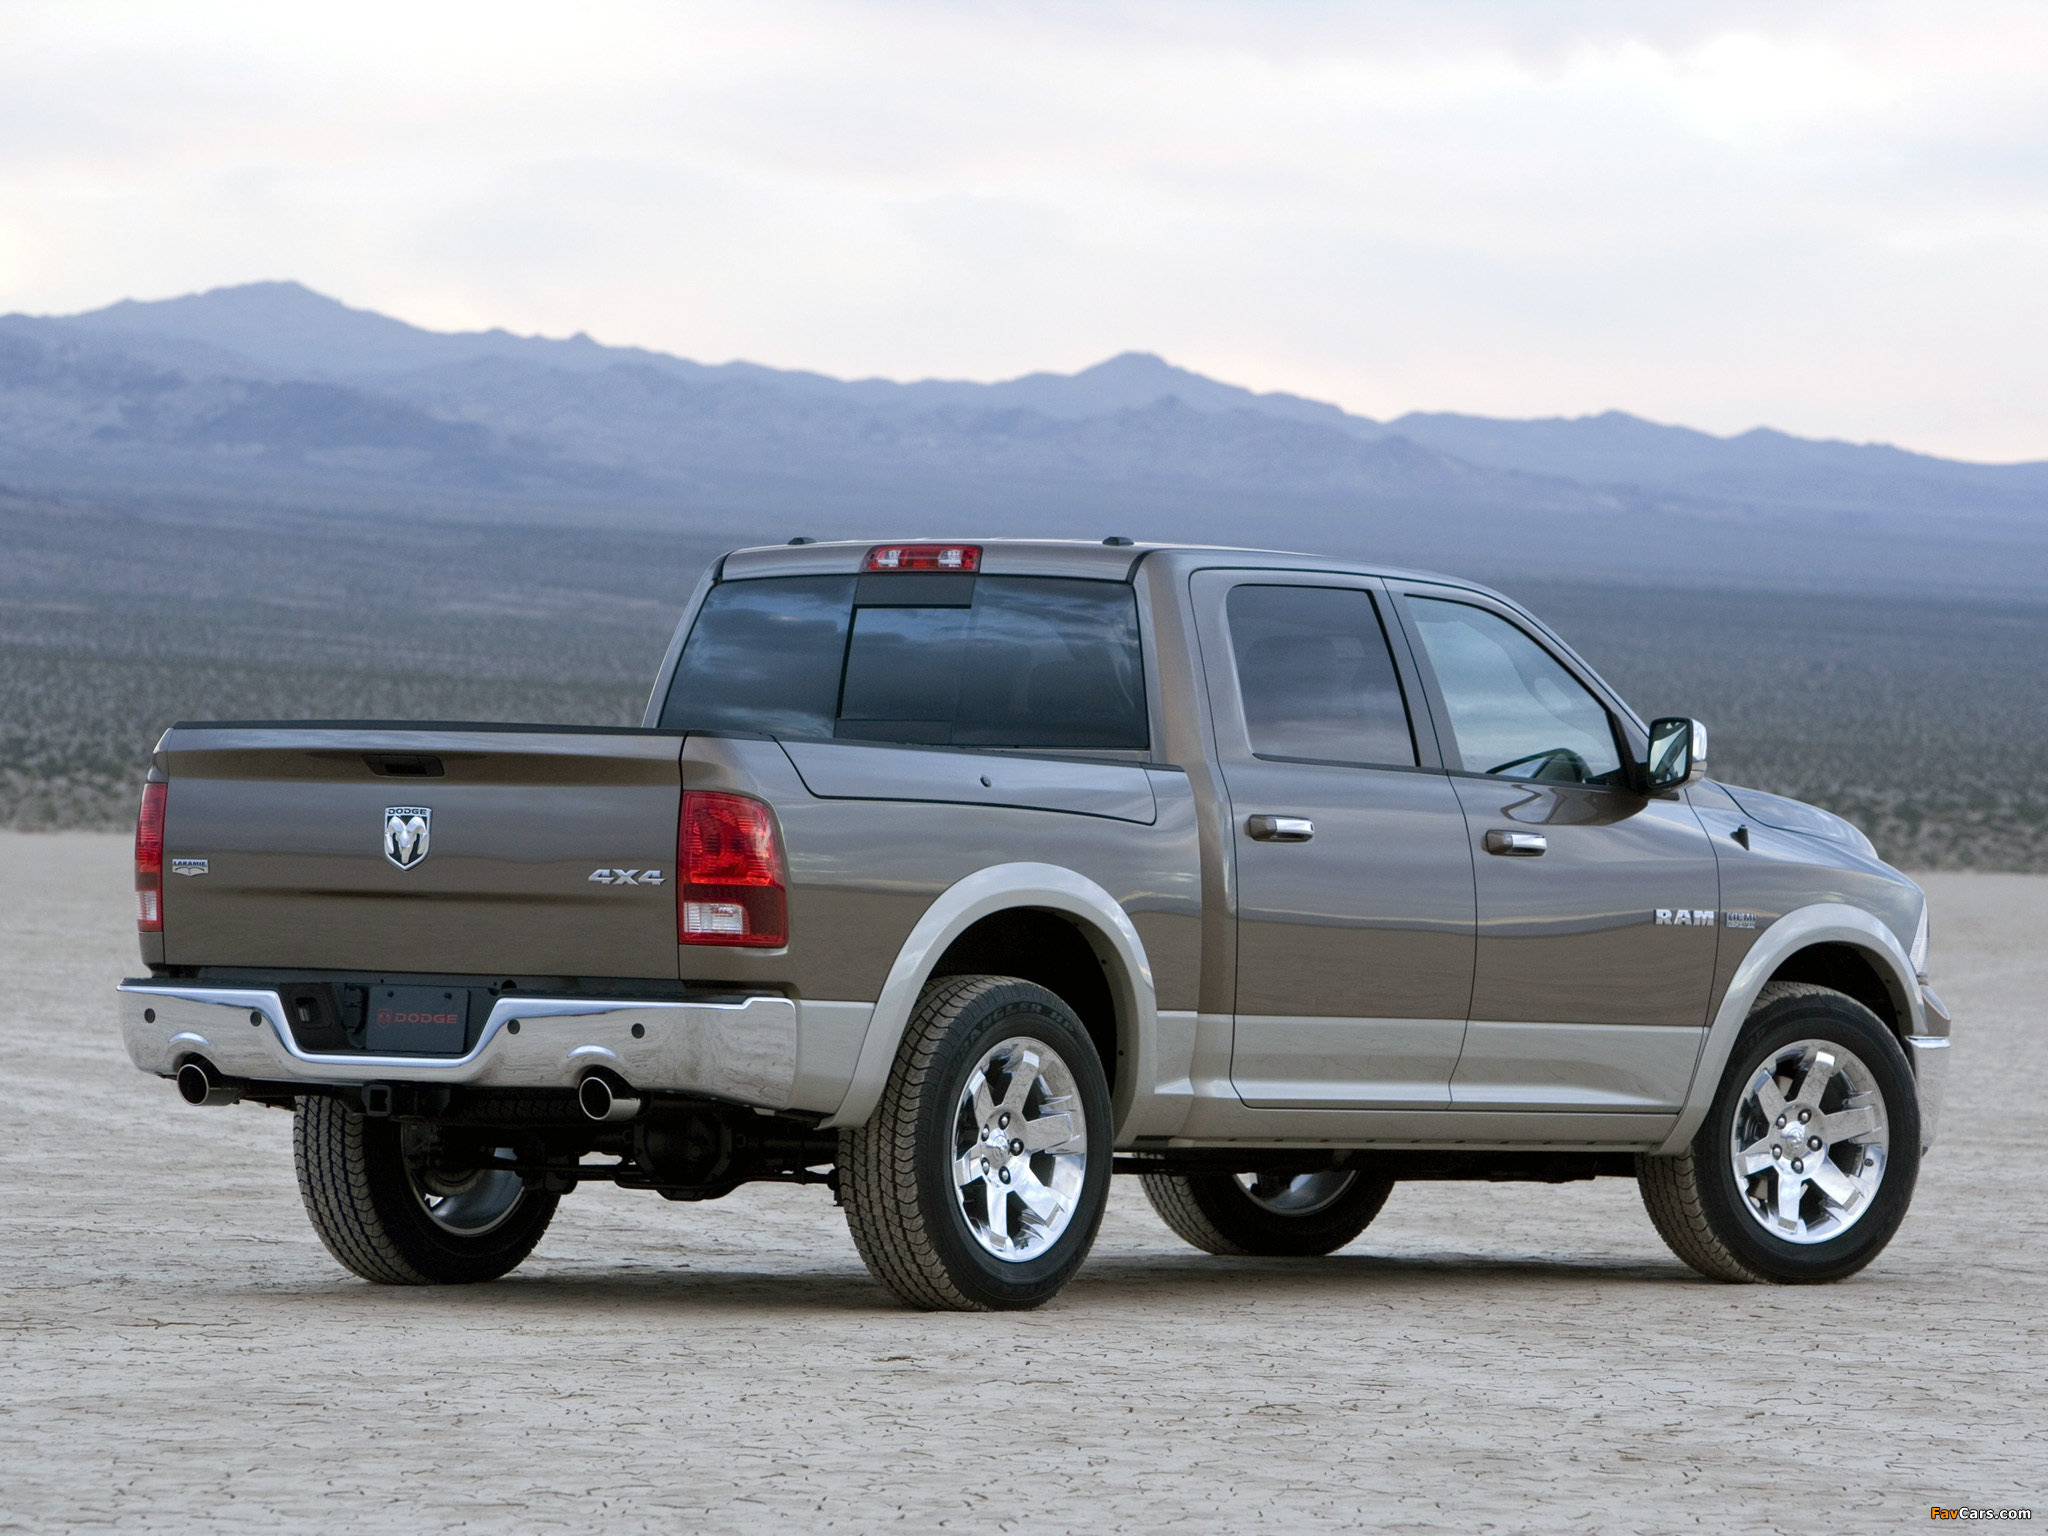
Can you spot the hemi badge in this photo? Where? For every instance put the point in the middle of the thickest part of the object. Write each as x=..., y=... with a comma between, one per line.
x=1740, y=919
x=188, y=866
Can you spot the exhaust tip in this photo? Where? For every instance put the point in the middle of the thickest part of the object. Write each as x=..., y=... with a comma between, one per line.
x=601, y=1099
x=198, y=1084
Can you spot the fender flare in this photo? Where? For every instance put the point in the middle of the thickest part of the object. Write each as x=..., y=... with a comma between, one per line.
x=1827, y=922
x=1002, y=888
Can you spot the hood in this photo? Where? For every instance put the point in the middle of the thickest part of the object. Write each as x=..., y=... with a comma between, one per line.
x=1797, y=816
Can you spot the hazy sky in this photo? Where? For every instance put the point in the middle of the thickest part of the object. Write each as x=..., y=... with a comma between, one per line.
x=1831, y=218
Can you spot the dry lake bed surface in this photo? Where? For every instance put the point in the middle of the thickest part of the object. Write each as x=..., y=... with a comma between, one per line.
x=177, y=1352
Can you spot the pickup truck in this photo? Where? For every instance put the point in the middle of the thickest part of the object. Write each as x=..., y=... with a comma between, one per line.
x=957, y=877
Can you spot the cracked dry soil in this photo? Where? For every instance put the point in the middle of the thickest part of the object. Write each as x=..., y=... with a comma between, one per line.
x=178, y=1353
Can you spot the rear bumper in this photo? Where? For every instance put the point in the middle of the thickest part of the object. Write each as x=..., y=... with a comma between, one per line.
x=744, y=1051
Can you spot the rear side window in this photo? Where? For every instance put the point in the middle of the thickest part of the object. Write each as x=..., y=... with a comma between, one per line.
x=763, y=658
x=988, y=661
x=1316, y=678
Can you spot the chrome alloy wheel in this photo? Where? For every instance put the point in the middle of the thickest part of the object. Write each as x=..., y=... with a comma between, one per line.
x=466, y=1202
x=1299, y=1194
x=1809, y=1142
x=1020, y=1149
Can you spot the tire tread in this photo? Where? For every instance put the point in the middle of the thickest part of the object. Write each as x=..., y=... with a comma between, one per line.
x=1672, y=1186
x=878, y=1161
x=1173, y=1198
x=1189, y=1206
x=346, y=1188
x=909, y=1236
x=332, y=1163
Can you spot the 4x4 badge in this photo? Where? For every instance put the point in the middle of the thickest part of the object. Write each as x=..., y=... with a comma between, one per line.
x=406, y=834
x=625, y=877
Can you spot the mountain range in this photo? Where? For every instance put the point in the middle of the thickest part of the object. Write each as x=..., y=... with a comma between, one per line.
x=271, y=394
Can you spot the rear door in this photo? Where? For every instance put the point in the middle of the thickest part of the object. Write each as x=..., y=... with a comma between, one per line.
x=1597, y=926
x=1354, y=883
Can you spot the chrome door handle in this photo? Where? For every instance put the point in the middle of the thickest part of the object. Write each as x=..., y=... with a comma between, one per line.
x=1516, y=845
x=1280, y=829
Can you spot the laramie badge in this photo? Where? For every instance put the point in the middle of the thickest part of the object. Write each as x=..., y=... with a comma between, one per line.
x=406, y=834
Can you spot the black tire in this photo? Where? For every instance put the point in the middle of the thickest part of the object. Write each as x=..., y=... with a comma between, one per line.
x=896, y=1173
x=362, y=1184
x=1217, y=1214
x=1703, y=1209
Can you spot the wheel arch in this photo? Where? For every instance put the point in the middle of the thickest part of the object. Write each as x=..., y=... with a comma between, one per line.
x=992, y=917
x=1854, y=972
x=1830, y=943
x=1060, y=951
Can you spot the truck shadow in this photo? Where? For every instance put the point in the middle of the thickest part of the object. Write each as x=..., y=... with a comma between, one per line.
x=1332, y=1276
x=1163, y=1283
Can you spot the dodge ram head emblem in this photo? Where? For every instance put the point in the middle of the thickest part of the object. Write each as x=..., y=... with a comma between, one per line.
x=405, y=834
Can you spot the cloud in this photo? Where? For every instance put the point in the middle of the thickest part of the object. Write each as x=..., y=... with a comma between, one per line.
x=1826, y=217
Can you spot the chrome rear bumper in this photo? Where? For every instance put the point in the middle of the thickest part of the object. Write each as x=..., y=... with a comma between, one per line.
x=743, y=1051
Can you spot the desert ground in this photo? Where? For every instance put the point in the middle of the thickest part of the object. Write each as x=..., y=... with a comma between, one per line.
x=180, y=1353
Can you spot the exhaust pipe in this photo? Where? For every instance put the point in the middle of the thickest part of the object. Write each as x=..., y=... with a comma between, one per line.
x=198, y=1083
x=601, y=1099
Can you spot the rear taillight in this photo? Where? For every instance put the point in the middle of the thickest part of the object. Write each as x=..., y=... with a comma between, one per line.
x=149, y=860
x=732, y=885
x=924, y=557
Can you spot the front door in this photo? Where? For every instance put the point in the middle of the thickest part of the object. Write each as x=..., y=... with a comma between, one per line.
x=1354, y=882
x=1597, y=926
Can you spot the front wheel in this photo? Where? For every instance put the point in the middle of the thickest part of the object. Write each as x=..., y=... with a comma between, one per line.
x=1268, y=1214
x=1805, y=1164
x=979, y=1181
x=395, y=1206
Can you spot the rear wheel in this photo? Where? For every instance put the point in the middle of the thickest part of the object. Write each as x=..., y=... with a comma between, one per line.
x=395, y=1206
x=1269, y=1215
x=1805, y=1164
x=979, y=1181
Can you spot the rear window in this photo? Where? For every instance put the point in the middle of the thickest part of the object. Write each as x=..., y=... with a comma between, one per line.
x=973, y=661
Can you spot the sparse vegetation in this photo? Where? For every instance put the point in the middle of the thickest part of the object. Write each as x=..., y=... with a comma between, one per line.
x=78, y=726
x=1921, y=718
x=113, y=625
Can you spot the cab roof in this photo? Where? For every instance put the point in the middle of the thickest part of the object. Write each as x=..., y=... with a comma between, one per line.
x=1100, y=560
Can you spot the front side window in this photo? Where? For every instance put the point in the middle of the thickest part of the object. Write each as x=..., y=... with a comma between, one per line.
x=1515, y=712
x=1315, y=676
x=988, y=661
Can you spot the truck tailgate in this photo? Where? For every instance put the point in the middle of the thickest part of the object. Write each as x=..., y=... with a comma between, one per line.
x=515, y=851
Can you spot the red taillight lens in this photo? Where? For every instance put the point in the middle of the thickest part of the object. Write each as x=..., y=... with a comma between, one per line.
x=149, y=859
x=731, y=890
x=924, y=557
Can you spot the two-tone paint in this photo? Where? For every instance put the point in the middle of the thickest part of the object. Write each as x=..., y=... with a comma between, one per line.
x=1392, y=981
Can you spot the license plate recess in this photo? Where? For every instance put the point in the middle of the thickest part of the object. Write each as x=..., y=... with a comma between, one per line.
x=417, y=1021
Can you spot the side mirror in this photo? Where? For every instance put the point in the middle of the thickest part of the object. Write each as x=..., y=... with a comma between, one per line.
x=1678, y=753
